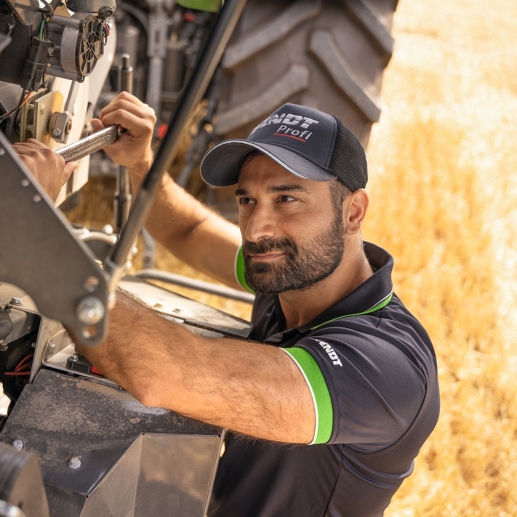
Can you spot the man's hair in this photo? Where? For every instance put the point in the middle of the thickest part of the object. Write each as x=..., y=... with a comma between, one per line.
x=338, y=191
x=247, y=159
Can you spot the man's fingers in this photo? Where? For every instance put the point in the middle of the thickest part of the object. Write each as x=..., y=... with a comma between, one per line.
x=140, y=110
x=69, y=168
x=96, y=124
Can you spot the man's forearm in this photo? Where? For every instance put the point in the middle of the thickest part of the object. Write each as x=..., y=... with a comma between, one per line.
x=192, y=232
x=251, y=388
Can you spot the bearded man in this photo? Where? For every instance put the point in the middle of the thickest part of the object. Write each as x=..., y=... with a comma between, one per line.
x=335, y=366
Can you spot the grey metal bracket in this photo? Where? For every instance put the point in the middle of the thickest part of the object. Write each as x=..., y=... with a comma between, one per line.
x=39, y=254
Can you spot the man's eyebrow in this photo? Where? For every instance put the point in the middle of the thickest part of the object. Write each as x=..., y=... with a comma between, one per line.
x=274, y=188
x=287, y=188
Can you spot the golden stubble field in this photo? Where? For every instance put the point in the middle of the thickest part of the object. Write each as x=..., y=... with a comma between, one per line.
x=443, y=184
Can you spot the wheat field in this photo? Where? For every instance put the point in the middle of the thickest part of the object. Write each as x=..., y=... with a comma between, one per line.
x=443, y=184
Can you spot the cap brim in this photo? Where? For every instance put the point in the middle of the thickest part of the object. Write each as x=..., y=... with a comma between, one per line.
x=221, y=164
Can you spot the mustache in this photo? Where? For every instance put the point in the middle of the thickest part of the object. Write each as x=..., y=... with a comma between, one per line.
x=285, y=245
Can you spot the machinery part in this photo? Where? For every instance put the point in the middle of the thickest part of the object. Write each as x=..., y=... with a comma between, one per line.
x=37, y=113
x=21, y=483
x=60, y=123
x=205, y=131
x=78, y=45
x=91, y=6
x=79, y=363
x=326, y=54
x=8, y=510
x=96, y=444
x=122, y=201
x=26, y=10
x=198, y=285
x=89, y=144
x=55, y=287
x=156, y=51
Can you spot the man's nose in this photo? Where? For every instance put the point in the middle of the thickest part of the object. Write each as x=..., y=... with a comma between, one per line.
x=260, y=225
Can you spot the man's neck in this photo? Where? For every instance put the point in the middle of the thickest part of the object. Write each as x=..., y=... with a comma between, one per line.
x=301, y=306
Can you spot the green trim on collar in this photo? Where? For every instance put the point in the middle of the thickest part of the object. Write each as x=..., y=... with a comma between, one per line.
x=377, y=307
x=319, y=391
x=239, y=271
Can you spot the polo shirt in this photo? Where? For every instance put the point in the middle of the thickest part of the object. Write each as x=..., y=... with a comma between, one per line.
x=371, y=369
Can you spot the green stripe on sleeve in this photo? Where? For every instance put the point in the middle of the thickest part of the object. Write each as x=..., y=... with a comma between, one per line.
x=320, y=393
x=239, y=271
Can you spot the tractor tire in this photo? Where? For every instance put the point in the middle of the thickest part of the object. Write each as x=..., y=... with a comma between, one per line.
x=325, y=54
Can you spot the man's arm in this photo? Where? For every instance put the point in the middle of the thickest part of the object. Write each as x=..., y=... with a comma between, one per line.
x=250, y=388
x=45, y=165
x=188, y=229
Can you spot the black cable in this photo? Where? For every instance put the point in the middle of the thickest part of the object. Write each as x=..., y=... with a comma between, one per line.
x=23, y=100
x=50, y=9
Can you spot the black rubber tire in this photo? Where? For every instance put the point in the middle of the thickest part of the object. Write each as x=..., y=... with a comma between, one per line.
x=326, y=54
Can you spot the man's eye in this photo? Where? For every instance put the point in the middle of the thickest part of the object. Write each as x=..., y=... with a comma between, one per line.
x=245, y=201
x=286, y=199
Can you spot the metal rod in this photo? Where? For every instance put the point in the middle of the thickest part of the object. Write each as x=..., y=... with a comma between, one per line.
x=89, y=145
x=123, y=191
x=192, y=93
x=198, y=285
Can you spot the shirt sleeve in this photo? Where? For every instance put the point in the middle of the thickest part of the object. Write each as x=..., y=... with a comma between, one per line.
x=366, y=392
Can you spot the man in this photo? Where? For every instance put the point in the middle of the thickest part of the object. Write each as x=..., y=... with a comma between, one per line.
x=335, y=366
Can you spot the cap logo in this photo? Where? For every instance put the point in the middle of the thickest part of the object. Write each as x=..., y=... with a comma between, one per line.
x=290, y=125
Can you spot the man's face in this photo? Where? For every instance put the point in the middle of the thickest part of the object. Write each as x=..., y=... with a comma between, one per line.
x=293, y=235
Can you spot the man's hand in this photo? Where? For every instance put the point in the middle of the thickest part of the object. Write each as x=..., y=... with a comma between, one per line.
x=47, y=167
x=133, y=147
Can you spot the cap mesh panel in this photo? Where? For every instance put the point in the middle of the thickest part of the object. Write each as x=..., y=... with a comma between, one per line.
x=348, y=161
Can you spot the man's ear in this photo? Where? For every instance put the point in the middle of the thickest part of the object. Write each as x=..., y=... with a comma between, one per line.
x=356, y=205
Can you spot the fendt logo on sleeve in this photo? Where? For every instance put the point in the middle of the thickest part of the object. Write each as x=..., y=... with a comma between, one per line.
x=330, y=352
x=292, y=126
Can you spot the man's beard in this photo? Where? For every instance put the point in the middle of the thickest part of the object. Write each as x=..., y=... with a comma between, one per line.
x=300, y=268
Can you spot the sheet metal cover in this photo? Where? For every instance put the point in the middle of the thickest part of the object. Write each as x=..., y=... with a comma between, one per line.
x=190, y=311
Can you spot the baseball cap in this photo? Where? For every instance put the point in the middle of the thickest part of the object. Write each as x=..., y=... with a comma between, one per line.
x=306, y=142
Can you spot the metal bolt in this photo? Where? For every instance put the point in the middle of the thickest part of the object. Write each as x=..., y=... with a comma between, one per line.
x=3, y=346
x=50, y=51
x=74, y=358
x=74, y=463
x=25, y=183
x=56, y=132
x=16, y=301
x=90, y=310
x=2, y=152
x=42, y=109
x=18, y=445
x=107, y=228
x=36, y=198
x=91, y=284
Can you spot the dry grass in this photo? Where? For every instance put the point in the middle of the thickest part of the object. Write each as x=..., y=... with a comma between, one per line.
x=443, y=188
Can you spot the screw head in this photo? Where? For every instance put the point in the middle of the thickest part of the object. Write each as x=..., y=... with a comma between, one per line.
x=90, y=310
x=56, y=132
x=18, y=445
x=91, y=284
x=74, y=463
x=16, y=301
